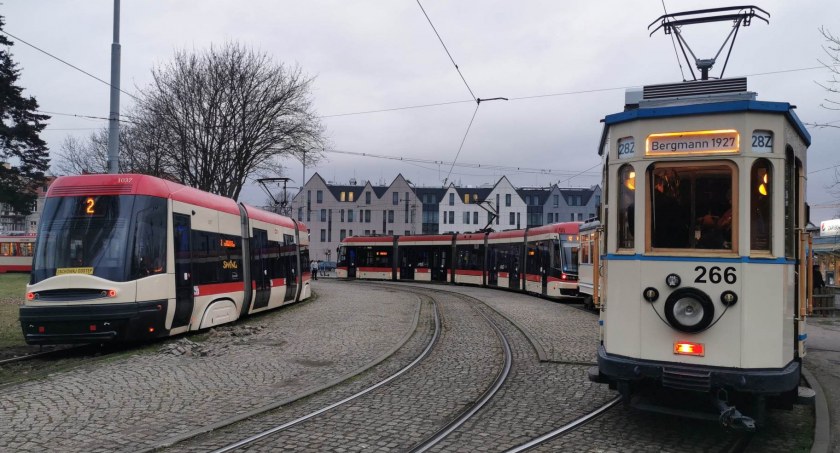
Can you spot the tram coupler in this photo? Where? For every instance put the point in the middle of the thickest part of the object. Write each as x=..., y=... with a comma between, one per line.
x=730, y=417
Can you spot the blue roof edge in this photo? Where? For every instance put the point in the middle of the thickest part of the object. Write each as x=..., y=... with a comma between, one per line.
x=716, y=107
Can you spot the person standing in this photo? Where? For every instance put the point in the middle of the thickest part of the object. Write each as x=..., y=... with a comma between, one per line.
x=313, y=265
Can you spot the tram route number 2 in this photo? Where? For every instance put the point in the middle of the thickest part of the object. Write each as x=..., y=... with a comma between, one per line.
x=715, y=275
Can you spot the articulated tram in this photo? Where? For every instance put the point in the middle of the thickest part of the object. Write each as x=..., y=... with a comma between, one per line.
x=16, y=251
x=703, y=274
x=540, y=260
x=133, y=257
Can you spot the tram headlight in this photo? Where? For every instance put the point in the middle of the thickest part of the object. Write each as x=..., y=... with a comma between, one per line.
x=689, y=310
x=673, y=280
x=650, y=294
x=728, y=298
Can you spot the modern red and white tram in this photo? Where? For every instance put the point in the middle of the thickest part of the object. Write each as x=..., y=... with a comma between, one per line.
x=134, y=257
x=16, y=252
x=541, y=260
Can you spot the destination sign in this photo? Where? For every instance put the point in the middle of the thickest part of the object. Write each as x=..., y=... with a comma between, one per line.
x=689, y=143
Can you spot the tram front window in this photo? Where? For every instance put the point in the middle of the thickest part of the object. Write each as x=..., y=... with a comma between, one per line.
x=116, y=238
x=691, y=207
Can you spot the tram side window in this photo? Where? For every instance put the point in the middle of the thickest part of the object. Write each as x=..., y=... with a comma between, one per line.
x=760, y=204
x=149, y=257
x=626, y=207
x=470, y=257
x=230, y=258
x=205, y=257
x=691, y=207
x=585, y=249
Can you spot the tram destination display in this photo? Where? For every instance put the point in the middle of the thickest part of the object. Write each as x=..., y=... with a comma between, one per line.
x=696, y=142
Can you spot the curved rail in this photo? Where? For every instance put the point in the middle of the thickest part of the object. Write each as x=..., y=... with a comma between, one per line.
x=497, y=384
x=423, y=355
x=566, y=428
x=36, y=355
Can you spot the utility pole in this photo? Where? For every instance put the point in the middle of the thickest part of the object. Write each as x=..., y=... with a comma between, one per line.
x=114, y=116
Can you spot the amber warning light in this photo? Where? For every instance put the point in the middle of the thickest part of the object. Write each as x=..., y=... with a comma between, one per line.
x=688, y=348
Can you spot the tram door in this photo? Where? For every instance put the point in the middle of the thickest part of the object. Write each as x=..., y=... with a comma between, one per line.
x=439, y=264
x=351, y=262
x=514, y=266
x=492, y=266
x=407, y=259
x=183, y=270
x=289, y=257
x=260, y=268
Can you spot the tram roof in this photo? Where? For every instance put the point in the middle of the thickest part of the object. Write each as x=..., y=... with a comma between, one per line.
x=270, y=217
x=707, y=108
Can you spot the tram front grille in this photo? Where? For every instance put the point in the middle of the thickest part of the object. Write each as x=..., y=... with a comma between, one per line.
x=686, y=379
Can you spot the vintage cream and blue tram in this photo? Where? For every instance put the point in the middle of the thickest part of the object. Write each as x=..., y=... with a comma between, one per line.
x=134, y=257
x=704, y=269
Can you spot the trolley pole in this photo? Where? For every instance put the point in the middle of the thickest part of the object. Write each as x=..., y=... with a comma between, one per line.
x=114, y=116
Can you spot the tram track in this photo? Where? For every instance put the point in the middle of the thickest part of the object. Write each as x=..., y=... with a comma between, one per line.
x=443, y=431
x=279, y=428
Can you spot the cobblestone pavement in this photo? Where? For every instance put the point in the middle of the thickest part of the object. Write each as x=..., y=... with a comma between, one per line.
x=560, y=332
x=565, y=333
x=130, y=403
x=823, y=360
x=395, y=417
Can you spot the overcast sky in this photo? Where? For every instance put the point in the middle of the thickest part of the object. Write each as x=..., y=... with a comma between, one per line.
x=383, y=54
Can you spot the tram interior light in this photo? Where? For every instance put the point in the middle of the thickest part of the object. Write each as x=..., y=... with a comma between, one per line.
x=630, y=183
x=673, y=280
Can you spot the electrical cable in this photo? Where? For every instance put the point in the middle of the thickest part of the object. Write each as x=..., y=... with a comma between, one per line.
x=447, y=50
x=469, y=126
x=68, y=64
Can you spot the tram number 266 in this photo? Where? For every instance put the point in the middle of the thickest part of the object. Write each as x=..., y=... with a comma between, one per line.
x=715, y=275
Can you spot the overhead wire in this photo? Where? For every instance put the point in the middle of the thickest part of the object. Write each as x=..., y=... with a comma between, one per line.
x=447, y=50
x=67, y=63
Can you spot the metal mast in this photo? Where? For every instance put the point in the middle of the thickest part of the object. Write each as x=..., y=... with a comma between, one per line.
x=114, y=115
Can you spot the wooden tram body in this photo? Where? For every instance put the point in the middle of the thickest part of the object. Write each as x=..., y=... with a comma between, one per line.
x=540, y=260
x=704, y=285
x=133, y=257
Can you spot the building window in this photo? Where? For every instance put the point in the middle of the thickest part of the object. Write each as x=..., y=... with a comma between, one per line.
x=323, y=235
x=475, y=217
x=319, y=196
x=507, y=199
x=556, y=200
x=466, y=218
x=466, y=198
x=300, y=214
x=367, y=197
x=367, y=215
x=391, y=216
x=309, y=196
x=396, y=198
x=572, y=217
x=323, y=215
x=367, y=232
x=350, y=216
x=444, y=217
x=308, y=215
x=343, y=196
x=341, y=214
x=342, y=234
x=390, y=232
x=451, y=216
x=350, y=197
x=580, y=216
x=350, y=233
x=452, y=199
x=513, y=218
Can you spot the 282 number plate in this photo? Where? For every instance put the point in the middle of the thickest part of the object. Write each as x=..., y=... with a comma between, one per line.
x=715, y=275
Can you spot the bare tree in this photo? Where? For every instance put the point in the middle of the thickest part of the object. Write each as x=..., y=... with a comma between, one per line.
x=832, y=85
x=140, y=152
x=226, y=115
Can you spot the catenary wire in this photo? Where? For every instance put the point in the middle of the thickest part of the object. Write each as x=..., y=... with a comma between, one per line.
x=447, y=50
x=67, y=63
x=461, y=147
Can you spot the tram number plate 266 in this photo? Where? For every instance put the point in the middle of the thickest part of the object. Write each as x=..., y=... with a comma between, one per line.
x=715, y=275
